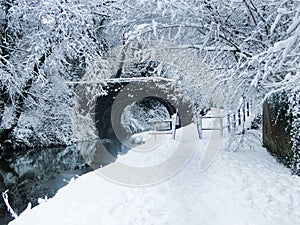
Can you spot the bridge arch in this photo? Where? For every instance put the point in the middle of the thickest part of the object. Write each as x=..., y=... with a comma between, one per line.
x=109, y=108
x=200, y=83
x=186, y=59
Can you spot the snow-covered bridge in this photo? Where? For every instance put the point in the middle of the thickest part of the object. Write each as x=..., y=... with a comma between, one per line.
x=119, y=93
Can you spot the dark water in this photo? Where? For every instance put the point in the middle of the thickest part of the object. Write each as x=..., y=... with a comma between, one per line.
x=38, y=173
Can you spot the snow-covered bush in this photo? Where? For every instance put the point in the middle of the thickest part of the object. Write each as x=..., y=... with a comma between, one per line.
x=281, y=128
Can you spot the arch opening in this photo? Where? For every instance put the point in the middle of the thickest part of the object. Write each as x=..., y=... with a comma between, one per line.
x=138, y=116
x=143, y=93
x=131, y=117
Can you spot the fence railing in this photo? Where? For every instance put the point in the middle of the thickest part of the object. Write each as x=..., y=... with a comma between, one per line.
x=172, y=121
x=232, y=120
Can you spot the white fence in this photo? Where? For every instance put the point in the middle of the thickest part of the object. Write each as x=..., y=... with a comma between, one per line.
x=172, y=121
x=232, y=120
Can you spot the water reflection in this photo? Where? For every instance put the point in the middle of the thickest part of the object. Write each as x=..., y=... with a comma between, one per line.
x=37, y=173
x=101, y=152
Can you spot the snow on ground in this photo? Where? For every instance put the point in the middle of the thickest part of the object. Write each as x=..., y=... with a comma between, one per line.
x=243, y=186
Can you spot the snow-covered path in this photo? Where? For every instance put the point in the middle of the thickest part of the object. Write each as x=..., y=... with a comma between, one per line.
x=243, y=186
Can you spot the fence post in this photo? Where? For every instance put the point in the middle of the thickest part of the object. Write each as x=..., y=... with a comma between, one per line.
x=228, y=122
x=155, y=131
x=244, y=114
x=248, y=109
x=199, y=126
x=244, y=110
x=239, y=117
x=173, y=124
x=234, y=121
x=221, y=126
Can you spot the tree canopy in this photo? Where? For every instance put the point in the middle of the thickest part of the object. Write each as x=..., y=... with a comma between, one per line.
x=251, y=48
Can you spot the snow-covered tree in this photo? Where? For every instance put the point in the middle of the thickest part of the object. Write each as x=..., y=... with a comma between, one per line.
x=47, y=43
x=251, y=46
x=235, y=48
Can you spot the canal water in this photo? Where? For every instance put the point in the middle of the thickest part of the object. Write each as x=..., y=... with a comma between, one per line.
x=40, y=173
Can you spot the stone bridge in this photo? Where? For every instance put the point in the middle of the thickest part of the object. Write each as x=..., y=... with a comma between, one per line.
x=125, y=91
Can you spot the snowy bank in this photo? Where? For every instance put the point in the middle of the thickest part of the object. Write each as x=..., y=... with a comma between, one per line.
x=243, y=185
